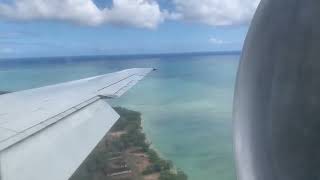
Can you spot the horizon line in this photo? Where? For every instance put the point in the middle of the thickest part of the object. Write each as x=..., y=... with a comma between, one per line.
x=196, y=53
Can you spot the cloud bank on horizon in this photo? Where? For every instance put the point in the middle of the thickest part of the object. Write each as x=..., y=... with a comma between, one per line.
x=217, y=12
x=136, y=13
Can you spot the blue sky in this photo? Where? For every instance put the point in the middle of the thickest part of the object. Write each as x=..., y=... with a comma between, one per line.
x=33, y=28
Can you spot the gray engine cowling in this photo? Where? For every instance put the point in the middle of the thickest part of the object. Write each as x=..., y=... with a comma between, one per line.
x=277, y=96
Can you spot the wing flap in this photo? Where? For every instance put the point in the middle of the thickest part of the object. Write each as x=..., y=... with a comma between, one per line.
x=121, y=87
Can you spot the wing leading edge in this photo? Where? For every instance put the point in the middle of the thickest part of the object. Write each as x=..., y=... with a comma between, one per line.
x=46, y=133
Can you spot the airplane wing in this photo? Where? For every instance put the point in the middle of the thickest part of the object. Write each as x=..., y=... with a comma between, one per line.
x=46, y=133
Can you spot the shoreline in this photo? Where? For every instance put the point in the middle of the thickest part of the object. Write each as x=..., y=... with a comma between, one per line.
x=125, y=153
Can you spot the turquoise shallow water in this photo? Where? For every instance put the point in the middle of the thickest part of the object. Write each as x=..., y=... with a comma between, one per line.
x=186, y=104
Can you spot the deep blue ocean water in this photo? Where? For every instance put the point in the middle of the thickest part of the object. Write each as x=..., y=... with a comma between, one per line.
x=186, y=104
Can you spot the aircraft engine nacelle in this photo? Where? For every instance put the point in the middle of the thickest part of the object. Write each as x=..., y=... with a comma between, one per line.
x=277, y=96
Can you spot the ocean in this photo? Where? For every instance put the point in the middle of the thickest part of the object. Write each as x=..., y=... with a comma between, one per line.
x=186, y=104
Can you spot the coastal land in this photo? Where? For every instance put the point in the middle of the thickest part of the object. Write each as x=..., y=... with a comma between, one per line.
x=125, y=154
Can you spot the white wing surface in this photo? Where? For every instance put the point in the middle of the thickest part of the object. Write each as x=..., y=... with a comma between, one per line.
x=46, y=133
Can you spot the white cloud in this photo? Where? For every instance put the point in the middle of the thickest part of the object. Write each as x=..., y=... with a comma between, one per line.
x=217, y=12
x=217, y=41
x=139, y=13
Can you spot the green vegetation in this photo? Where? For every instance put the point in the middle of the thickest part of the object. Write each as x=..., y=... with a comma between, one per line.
x=96, y=164
x=130, y=121
x=168, y=175
x=164, y=167
x=157, y=164
x=131, y=136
